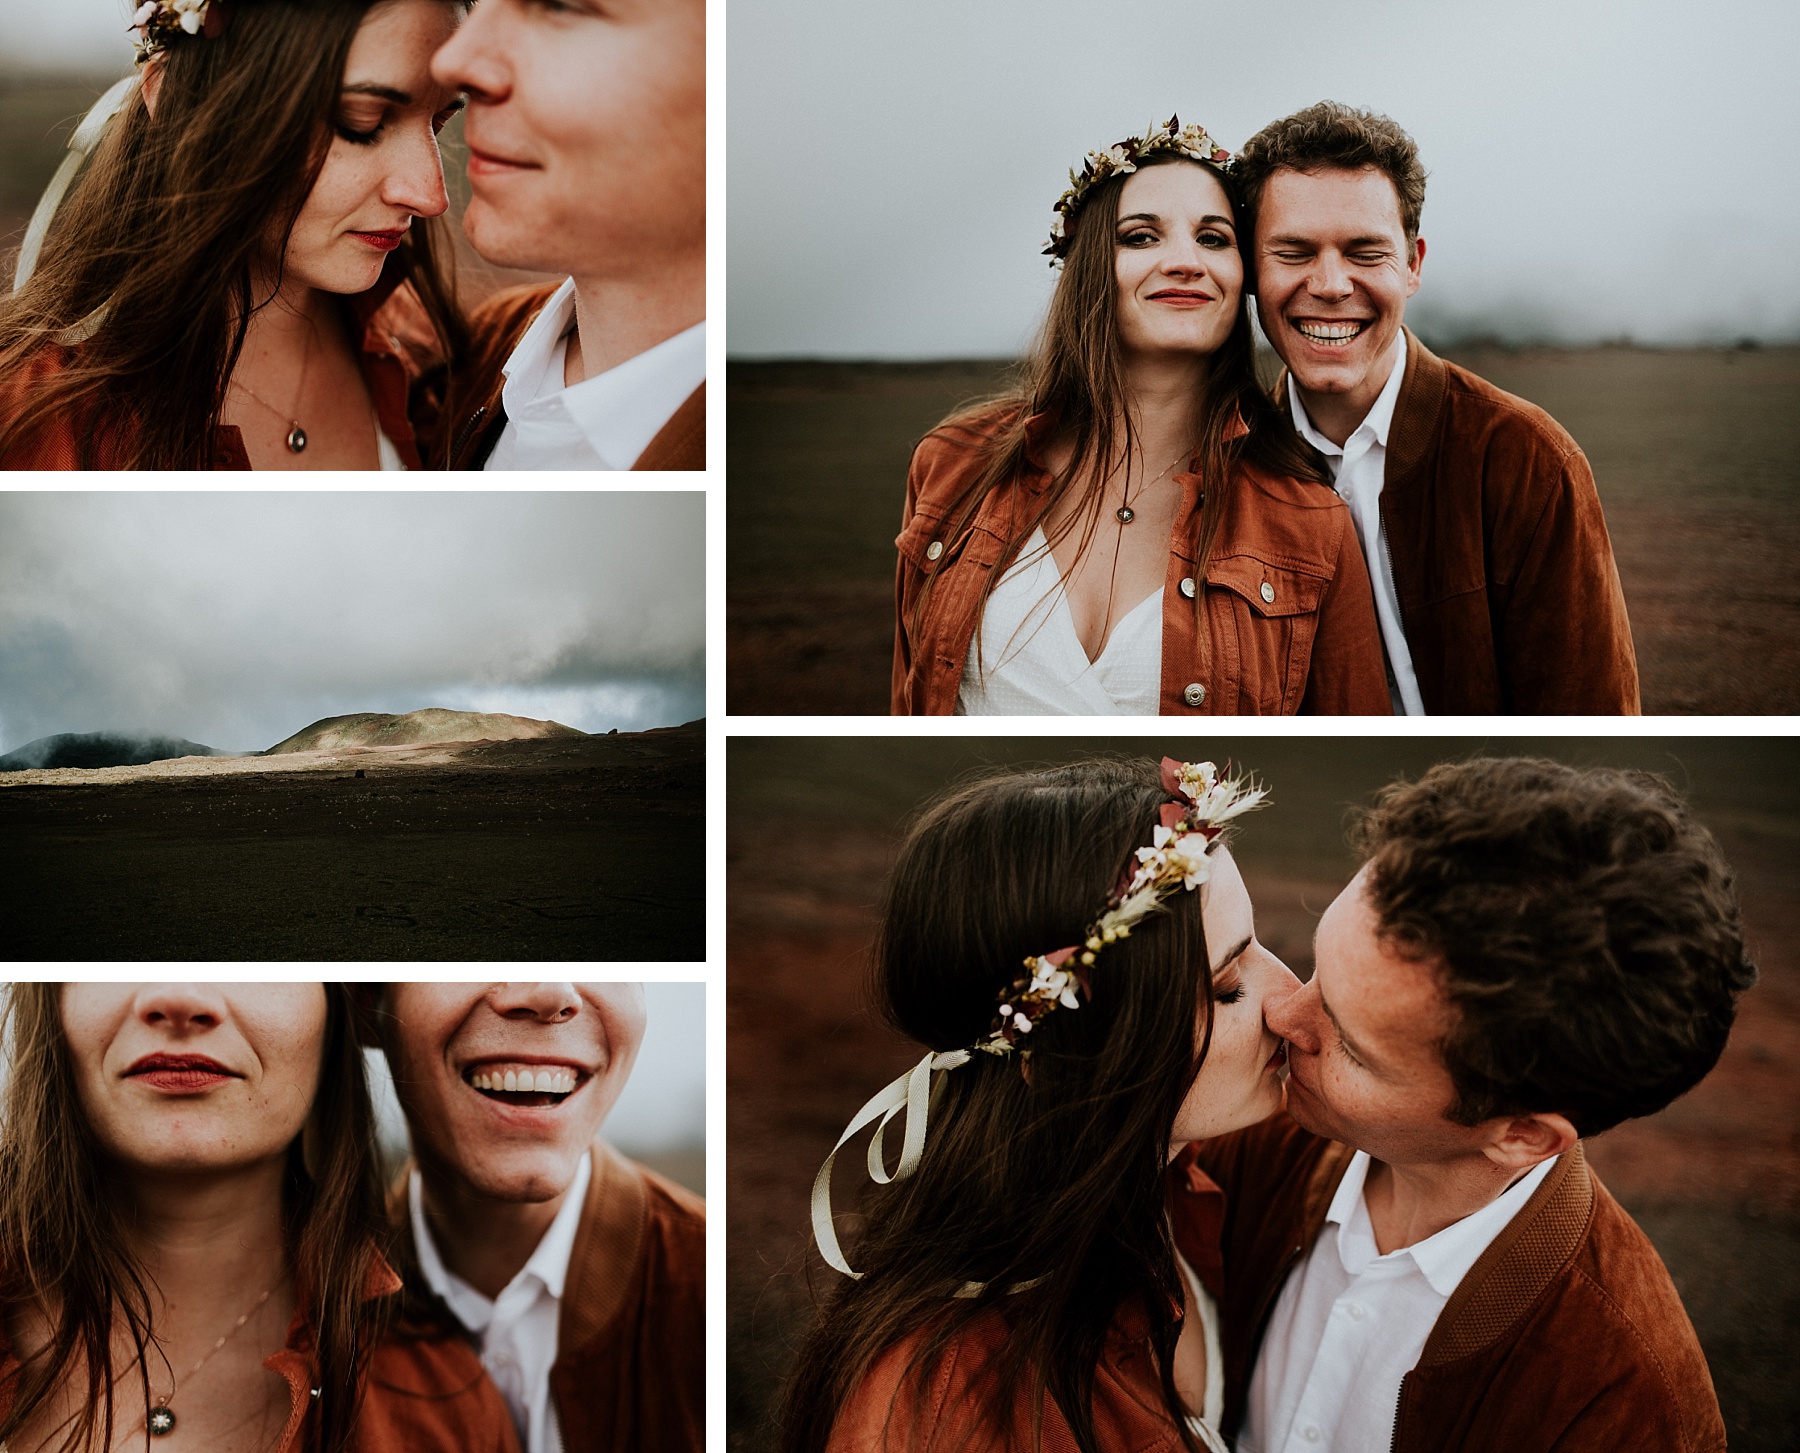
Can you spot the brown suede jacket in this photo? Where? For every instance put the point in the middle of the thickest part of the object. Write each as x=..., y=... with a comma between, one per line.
x=630, y=1370
x=1508, y=591
x=1289, y=620
x=1566, y=1334
x=398, y=351
x=420, y=1394
x=477, y=417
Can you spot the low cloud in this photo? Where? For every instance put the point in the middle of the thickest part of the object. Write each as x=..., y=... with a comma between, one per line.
x=237, y=619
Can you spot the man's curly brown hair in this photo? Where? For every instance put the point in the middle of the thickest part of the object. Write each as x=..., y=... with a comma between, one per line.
x=1331, y=134
x=1584, y=927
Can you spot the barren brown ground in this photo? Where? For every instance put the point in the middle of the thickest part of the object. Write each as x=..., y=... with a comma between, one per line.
x=1696, y=453
x=564, y=848
x=1714, y=1179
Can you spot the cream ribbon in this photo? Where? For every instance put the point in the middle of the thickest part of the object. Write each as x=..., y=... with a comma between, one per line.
x=910, y=1092
x=86, y=138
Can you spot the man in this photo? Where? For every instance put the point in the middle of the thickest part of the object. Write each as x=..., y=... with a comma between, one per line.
x=1417, y=1255
x=1494, y=579
x=579, y=1273
x=586, y=127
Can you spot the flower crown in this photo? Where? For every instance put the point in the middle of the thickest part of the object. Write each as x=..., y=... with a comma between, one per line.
x=157, y=22
x=1121, y=159
x=1176, y=859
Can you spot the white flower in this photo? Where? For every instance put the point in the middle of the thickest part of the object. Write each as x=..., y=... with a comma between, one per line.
x=192, y=13
x=143, y=16
x=1117, y=155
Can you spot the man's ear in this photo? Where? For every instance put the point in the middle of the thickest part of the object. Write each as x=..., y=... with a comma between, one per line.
x=1518, y=1142
x=150, y=83
x=1415, y=260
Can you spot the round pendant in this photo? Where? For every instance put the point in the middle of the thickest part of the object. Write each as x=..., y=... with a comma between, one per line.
x=1125, y=514
x=296, y=439
x=162, y=1422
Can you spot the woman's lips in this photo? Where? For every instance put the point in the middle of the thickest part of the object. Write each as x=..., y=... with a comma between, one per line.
x=1181, y=298
x=382, y=241
x=180, y=1074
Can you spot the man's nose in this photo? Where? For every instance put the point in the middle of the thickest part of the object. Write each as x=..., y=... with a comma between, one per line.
x=1328, y=277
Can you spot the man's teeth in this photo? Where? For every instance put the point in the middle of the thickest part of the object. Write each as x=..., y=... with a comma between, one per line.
x=542, y=1082
x=1330, y=332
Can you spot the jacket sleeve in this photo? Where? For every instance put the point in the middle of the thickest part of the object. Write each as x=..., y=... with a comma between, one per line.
x=1347, y=675
x=1563, y=639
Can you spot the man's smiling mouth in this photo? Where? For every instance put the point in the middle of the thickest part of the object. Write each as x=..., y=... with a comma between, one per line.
x=1338, y=334
x=523, y=1084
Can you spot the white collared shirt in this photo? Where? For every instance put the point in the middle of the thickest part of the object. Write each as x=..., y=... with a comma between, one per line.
x=603, y=422
x=1350, y=1323
x=517, y=1329
x=1358, y=470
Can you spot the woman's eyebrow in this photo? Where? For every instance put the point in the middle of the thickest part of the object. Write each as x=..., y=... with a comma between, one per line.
x=375, y=88
x=1234, y=953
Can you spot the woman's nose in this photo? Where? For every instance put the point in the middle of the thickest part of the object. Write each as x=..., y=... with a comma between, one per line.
x=417, y=180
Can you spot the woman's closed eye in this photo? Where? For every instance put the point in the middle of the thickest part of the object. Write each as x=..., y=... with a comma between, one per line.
x=1228, y=996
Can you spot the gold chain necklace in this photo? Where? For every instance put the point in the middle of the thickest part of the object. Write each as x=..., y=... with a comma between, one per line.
x=296, y=436
x=1125, y=514
x=161, y=1421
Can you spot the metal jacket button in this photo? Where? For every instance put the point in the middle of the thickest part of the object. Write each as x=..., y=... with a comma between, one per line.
x=1268, y=593
x=1194, y=693
x=1187, y=587
x=934, y=549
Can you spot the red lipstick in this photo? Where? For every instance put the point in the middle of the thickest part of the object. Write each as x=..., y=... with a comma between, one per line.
x=180, y=1074
x=382, y=241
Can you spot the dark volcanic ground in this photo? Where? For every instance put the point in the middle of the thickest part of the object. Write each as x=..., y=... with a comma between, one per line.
x=583, y=848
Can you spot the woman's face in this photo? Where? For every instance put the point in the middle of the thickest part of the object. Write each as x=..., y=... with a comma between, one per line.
x=1180, y=276
x=1240, y=1081
x=199, y=1077
x=383, y=168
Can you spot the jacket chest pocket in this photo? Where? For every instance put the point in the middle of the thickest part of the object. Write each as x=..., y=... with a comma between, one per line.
x=957, y=573
x=1269, y=616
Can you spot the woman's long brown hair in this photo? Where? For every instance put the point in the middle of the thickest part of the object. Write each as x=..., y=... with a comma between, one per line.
x=1055, y=1177
x=1075, y=375
x=65, y=1231
x=165, y=229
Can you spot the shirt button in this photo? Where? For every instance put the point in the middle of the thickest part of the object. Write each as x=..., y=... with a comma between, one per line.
x=1187, y=587
x=1268, y=593
x=1357, y=1311
x=1194, y=693
x=934, y=549
x=1310, y=1433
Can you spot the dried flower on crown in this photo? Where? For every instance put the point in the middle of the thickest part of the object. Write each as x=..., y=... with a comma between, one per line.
x=1121, y=159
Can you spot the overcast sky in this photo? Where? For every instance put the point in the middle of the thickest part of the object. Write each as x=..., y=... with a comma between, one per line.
x=1598, y=169
x=234, y=620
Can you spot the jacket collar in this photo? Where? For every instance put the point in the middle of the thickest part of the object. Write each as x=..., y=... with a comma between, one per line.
x=1417, y=410
x=608, y=1245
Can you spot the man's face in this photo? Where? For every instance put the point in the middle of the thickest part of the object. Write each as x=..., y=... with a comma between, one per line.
x=587, y=132
x=1333, y=273
x=1363, y=1059
x=464, y=1054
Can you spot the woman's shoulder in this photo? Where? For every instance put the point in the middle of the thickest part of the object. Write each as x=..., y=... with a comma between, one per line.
x=56, y=441
x=911, y=1400
x=1284, y=520
x=947, y=458
x=428, y=1393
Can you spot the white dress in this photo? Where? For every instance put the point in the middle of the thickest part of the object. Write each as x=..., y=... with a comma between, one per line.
x=1030, y=662
x=1206, y=1426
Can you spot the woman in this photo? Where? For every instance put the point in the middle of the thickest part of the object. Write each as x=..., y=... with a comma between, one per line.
x=1136, y=528
x=248, y=273
x=189, y=1217
x=1021, y=1287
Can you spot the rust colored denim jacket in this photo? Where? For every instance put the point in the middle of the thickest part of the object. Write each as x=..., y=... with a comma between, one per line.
x=1565, y=1336
x=1286, y=622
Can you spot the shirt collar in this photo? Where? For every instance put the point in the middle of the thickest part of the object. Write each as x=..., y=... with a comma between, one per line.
x=1443, y=1259
x=549, y=1263
x=1376, y=422
x=619, y=411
